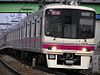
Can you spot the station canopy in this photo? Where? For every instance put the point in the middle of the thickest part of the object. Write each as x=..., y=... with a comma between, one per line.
x=6, y=7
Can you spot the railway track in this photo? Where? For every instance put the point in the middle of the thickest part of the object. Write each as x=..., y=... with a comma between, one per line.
x=21, y=68
x=7, y=70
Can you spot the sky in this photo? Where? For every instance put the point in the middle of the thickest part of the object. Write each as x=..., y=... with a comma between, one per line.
x=9, y=17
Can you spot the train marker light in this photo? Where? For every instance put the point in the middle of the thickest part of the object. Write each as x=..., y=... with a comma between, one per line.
x=54, y=48
x=51, y=56
x=84, y=49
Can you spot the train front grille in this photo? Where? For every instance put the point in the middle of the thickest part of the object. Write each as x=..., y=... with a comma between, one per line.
x=68, y=59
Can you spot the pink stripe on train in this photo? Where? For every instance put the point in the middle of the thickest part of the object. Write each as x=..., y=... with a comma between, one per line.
x=68, y=47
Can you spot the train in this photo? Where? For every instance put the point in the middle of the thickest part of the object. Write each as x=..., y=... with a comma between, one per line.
x=57, y=36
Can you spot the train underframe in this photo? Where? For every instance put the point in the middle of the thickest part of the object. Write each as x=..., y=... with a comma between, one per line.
x=65, y=60
x=73, y=62
x=40, y=59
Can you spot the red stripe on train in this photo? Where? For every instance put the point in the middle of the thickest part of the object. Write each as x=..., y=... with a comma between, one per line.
x=67, y=47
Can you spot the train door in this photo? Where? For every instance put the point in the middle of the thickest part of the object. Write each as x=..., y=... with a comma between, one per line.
x=38, y=30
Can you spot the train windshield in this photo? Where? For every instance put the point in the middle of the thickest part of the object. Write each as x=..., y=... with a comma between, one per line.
x=64, y=23
x=86, y=25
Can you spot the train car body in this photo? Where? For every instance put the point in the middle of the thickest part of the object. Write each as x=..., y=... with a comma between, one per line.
x=62, y=34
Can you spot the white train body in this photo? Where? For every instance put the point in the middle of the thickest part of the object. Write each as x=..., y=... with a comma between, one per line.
x=64, y=33
x=68, y=45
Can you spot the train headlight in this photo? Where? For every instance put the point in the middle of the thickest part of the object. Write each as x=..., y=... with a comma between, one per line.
x=54, y=48
x=84, y=49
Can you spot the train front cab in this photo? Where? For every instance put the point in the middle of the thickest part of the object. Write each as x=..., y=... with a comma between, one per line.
x=69, y=38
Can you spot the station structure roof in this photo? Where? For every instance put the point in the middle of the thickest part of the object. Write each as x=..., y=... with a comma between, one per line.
x=33, y=6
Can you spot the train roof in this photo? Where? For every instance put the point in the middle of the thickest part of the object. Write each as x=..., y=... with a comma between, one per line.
x=63, y=6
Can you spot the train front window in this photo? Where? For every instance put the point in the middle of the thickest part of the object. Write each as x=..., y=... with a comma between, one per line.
x=60, y=23
x=86, y=23
x=69, y=23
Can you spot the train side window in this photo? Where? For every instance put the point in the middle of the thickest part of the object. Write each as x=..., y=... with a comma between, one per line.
x=32, y=28
x=28, y=27
x=41, y=26
x=9, y=36
x=15, y=34
x=12, y=35
x=38, y=27
x=24, y=30
x=18, y=34
x=21, y=32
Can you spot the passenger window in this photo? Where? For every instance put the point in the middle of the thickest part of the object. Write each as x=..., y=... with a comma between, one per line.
x=35, y=29
x=24, y=31
x=28, y=26
x=32, y=28
x=38, y=22
x=41, y=26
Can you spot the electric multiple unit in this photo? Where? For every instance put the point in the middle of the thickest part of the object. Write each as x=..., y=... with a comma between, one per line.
x=62, y=34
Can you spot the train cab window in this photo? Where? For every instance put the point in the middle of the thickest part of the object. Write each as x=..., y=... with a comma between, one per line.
x=60, y=23
x=69, y=23
x=86, y=23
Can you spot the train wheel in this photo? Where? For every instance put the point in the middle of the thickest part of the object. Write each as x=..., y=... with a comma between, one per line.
x=33, y=62
x=86, y=72
x=41, y=60
x=38, y=59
